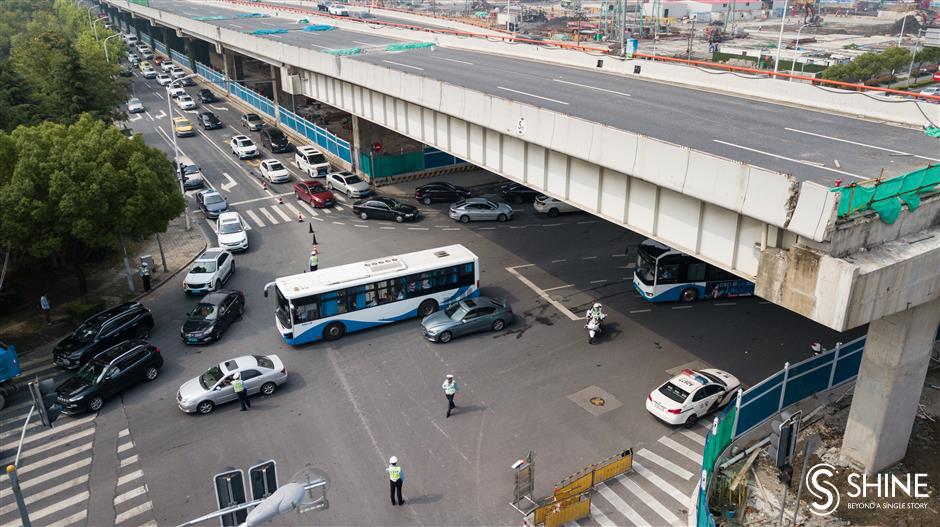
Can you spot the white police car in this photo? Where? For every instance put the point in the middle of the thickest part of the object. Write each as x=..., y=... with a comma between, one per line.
x=692, y=394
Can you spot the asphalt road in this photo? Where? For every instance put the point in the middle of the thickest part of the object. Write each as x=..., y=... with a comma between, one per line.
x=350, y=404
x=811, y=145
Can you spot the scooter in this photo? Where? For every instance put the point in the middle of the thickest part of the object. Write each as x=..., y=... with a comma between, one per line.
x=594, y=328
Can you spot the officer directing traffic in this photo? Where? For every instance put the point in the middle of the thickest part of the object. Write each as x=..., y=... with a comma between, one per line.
x=239, y=386
x=450, y=390
x=396, y=476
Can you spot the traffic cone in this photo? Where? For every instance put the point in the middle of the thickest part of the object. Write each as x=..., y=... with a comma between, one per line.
x=311, y=228
x=300, y=217
x=280, y=201
x=264, y=185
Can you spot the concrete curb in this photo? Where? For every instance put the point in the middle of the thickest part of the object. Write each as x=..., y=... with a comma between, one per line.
x=176, y=272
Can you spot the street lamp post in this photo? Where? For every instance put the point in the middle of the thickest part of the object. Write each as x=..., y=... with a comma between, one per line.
x=94, y=26
x=176, y=156
x=910, y=69
x=783, y=20
x=793, y=62
x=105, y=45
x=89, y=14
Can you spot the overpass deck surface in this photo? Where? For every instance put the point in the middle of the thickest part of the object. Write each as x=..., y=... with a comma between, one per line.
x=809, y=144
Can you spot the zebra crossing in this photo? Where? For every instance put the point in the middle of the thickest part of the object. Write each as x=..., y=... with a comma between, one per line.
x=55, y=465
x=658, y=490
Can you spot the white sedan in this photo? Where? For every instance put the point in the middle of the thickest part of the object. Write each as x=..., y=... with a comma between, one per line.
x=163, y=79
x=231, y=232
x=176, y=91
x=274, y=171
x=177, y=73
x=167, y=65
x=185, y=102
x=552, y=206
x=135, y=106
x=149, y=73
x=692, y=394
x=348, y=183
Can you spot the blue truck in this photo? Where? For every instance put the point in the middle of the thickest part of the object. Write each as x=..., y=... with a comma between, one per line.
x=9, y=368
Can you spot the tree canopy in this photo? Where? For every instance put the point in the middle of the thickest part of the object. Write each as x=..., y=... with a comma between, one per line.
x=869, y=65
x=67, y=190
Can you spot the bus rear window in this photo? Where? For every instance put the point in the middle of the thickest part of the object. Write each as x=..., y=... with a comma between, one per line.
x=673, y=392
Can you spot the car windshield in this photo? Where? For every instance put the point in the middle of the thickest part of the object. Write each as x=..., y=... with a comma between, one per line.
x=275, y=166
x=87, y=331
x=212, y=199
x=134, y=101
x=393, y=203
x=252, y=118
x=230, y=227
x=645, y=268
x=714, y=378
x=352, y=180
x=316, y=188
x=244, y=142
x=317, y=159
x=213, y=375
x=190, y=170
x=185, y=98
x=203, y=267
x=276, y=135
x=91, y=371
x=673, y=392
x=455, y=311
x=210, y=117
x=203, y=311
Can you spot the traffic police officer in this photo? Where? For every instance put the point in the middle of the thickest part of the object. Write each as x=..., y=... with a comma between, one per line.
x=396, y=476
x=144, y=271
x=239, y=386
x=450, y=390
x=314, y=258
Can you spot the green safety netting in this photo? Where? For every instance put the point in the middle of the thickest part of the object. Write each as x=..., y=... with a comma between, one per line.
x=251, y=15
x=215, y=17
x=319, y=27
x=885, y=197
x=408, y=45
x=345, y=51
x=932, y=131
x=268, y=32
x=303, y=21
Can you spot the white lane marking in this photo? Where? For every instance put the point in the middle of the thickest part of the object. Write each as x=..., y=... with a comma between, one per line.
x=558, y=287
x=552, y=225
x=404, y=65
x=661, y=483
x=254, y=217
x=725, y=304
x=268, y=215
x=337, y=207
x=618, y=256
x=387, y=228
x=128, y=514
x=682, y=307
x=681, y=449
x=589, y=257
x=601, y=518
x=129, y=495
x=266, y=198
x=592, y=87
x=125, y=447
x=71, y=520
x=361, y=42
x=34, y=498
x=800, y=161
x=484, y=229
x=598, y=281
x=307, y=208
x=328, y=211
x=129, y=461
x=587, y=222
x=567, y=312
x=640, y=311
x=127, y=478
x=231, y=182
x=453, y=60
x=650, y=501
x=338, y=223
x=214, y=107
x=700, y=439
x=30, y=467
x=339, y=197
x=31, y=438
x=236, y=25
x=160, y=115
x=620, y=505
x=532, y=95
x=25, y=484
x=160, y=95
x=26, y=454
x=52, y=509
x=861, y=144
x=124, y=433
x=666, y=464
x=361, y=226
x=417, y=228
x=136, y=117
x=451, y=229
x=293, y=209
x=561, y=260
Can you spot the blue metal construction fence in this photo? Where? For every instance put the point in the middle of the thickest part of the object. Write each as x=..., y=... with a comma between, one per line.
x=434, y=158
x=323, y=138
x=211, y=75
x=159, y=46
x=253, y=98
x=182, y=59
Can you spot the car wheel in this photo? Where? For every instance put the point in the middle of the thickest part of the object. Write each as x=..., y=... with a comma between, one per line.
x=552, y=213
x=498, y=325
x=297, y=196
x=501, y=218
x=427, y=307
x=445, y=337
x=142, y=332
x=218, y=285
x=364, y=215
x=334, y=330
x=241, y=310
x=268, y=388
x=426, y=200
x=95, y=403
x=205, y=407
x=690, y=422
x=688, y=295
x=465, y=219
x=329, y=185
x=216, y=335
x=151, y=373
x=399, y=218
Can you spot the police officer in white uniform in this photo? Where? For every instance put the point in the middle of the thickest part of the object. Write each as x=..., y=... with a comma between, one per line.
x=396, y=476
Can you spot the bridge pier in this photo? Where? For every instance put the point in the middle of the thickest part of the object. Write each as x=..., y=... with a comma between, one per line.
x=889, y=385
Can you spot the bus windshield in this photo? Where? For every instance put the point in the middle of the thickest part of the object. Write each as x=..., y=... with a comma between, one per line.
x=645, y=267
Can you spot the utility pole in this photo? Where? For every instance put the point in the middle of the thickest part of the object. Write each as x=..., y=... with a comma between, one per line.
x=783, y=20
x=623, y=28
x=910, y=80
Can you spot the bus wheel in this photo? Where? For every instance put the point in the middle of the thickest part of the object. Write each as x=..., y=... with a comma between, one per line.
x=427, y=307
x=688, y=295
x=334, y=330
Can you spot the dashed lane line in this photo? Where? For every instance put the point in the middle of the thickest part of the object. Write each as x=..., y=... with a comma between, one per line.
x=361, y=226
x=387, y=228
x=338, y=223
x=682, y=307
x=567, y=312
x=558, y=287
x=418, y=228
x=640, y=311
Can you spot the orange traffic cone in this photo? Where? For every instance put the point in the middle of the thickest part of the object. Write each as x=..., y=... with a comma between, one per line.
x=264, y=185
x=300, y=217
x=280, y=201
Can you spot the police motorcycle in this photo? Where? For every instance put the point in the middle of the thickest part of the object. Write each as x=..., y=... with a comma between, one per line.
x=594, y=325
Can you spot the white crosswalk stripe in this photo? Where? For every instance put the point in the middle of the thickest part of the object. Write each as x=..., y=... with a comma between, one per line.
x=666, y=464
x=650, y=501
x=280, y=213
x=36, y=496
x=136, y=511
x=71, y=520
x=328, y=211
x=127, y=478
x=620, y=505
x=129, y=508
x=52, y=509
x=698, y=438
x=339, y=208
x=268, y=215
x=659, y=482
x=292, y=209
x=681, y=449
x=310, y=210
x=254, y=217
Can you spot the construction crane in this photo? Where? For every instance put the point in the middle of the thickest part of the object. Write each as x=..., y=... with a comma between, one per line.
x=811, y=12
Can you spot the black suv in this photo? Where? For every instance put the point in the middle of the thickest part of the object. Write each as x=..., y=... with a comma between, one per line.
x=274, y=140
x=440, y=191
x=212, y=316
x=516, y=193
x=101, y=331
x=205, y=95
x=209, y=121
x=108, y=374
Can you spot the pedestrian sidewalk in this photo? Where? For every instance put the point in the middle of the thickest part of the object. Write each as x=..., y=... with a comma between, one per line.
x=180, y=247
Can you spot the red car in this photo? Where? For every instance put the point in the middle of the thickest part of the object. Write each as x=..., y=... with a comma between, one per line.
x=314, y=193
x=936, y=77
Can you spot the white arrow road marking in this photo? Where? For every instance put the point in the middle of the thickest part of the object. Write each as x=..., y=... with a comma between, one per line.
x=214, y=107
x=136, y=117
x=231, y=182
x=160, y=115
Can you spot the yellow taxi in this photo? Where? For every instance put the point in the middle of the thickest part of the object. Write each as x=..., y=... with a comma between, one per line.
x=144, y=65
x=182, y=127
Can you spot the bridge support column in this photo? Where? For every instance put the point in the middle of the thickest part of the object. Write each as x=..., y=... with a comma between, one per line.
x=228, y=63
x=890, y=381
x=356, y=145
x=275, y=89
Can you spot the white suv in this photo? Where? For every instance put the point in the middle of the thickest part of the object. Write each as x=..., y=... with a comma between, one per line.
x=231, y=232
x=311, y=161
x=551, y=206
x=212, y=269
x=243, y=147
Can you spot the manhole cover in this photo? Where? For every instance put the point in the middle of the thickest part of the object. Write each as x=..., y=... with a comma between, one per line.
x=597, y=401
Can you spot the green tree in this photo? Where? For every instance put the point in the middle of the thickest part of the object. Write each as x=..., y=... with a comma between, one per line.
x=869, y=65
x=69, y=190
x=895, y=59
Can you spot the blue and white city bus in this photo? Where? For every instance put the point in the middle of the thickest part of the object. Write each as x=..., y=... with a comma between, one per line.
x=667, y=275
x=328, y=303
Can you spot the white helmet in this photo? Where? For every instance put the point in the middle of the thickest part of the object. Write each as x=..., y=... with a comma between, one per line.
x=392, y=460
x=597, y=305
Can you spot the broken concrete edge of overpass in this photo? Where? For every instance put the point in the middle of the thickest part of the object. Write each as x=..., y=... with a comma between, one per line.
x=864, y=269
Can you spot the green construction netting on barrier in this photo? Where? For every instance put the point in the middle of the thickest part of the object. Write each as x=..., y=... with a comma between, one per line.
x=318, y=27
x=251, y=15
x=932, y=131
x=408, y=45
x=145, y=3
x=885, y=197
x=215, y=17
x=345, y=51
x=268, y=32
x=715, y=444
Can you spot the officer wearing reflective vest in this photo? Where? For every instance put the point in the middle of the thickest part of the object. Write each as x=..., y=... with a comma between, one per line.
x=450, y=390
x=239, y=386
x=314, y=258
x=396, y=476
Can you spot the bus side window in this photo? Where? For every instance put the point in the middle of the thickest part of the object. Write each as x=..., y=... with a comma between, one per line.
x=668, y=274
x=333, y=303
x=696, y=272
x=306, y=312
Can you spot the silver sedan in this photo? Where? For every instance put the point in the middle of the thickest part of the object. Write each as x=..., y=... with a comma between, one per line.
x=135, y=106
x=261, y=374
x=467, y=316
x=480, y=209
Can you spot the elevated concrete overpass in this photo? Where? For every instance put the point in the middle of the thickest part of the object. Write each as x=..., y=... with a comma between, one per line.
x=739, y=180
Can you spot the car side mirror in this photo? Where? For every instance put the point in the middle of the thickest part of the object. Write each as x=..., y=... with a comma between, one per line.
x=217, y=388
